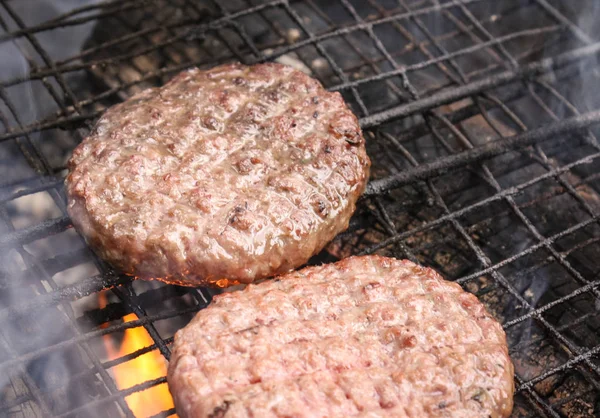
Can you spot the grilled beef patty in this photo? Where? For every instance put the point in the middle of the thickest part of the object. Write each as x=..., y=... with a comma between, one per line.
x=220, y=177
x=365, y=337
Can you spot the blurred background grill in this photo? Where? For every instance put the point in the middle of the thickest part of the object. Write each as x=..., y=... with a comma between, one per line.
x=480, y=117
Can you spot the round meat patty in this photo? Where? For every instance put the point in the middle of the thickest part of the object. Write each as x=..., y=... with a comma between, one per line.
x=365, y=337
x=220, y=177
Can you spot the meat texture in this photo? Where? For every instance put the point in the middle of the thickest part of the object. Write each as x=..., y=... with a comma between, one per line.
x=365, y=337
x=219, y=177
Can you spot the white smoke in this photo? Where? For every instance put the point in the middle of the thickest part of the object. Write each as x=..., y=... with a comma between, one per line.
x=31, y=102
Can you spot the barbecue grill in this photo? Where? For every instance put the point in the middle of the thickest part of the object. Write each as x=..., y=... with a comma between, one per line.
x=480, y=117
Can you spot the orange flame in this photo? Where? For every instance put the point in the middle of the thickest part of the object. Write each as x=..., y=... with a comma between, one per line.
x=148, y=366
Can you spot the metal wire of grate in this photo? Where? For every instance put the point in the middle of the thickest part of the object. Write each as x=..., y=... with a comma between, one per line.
x=481, y=122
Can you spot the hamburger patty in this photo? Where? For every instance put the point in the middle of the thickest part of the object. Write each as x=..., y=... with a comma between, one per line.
x=219, y=177
x=366, y=337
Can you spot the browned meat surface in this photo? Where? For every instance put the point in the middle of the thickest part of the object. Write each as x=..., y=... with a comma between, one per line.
x=365, y=337
x=219, y=177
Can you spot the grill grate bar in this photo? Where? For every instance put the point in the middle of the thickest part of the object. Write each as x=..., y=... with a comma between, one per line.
x=369, y=24
x=62, y=22
x=32, y=190
x=122, y=5
x=371, y=63
x=45, y=57
x=542, y=408
x=64, y=67
x=134, y=354
x=486, y=151
x=420, y=184
x=569, y=364
x=323, y=52
x=121, y=394
x=496, y=275
x=450, y=55
x=588, y=287
x=51, y=72
x=435, y=100
x=128, y=296
x=523, y=344
x=552, y=11
x=106, y=365
x=59, y=24
x=384, y=218
x=32, y=64
x=410, y=89
x=498, y=196
x=190, y=35
x=97, y=333
x=35, y=232
x=497, y=80
x=419, y=175
x=529, y=250
x=51, y=265
x=240, y=31
x=510, y=61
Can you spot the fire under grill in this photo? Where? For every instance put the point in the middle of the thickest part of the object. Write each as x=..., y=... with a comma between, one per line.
x=481, y=119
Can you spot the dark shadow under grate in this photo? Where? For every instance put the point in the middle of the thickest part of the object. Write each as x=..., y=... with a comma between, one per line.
x=481, y=119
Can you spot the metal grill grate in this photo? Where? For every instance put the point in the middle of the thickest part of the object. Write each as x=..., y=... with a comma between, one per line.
x=480, y=118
